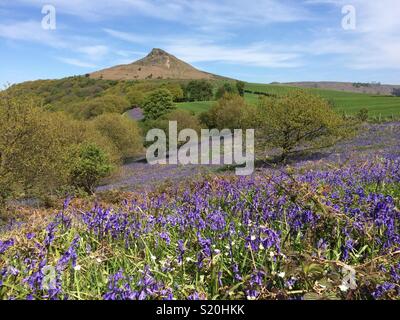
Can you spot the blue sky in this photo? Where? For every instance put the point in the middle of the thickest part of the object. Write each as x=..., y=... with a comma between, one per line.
x=257, y=40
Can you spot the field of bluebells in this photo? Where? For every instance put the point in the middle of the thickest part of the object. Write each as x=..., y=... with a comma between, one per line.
x=327, y=233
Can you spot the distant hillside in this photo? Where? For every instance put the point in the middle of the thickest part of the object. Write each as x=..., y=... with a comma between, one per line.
x=158, y=64
x=369, y=88
x=350, y=103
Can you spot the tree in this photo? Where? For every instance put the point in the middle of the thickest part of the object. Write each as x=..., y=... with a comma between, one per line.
x=35, y=147
x=32, y=148
x=184, y=119
x=230, y=112
x=299, y=121
x=176, y=91
x=123, y=132
x=396, y=92
x=135, y=97
x=98, y=106
x=199, y=90
x=158, y=103
x=240, y=86
x=89, y=165
x=226, y=88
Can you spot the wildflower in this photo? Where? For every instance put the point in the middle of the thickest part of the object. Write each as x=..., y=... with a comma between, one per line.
x=236, y=272
x=77, y=268
x=165, y=236
x=381, y=290
x=181, y=250
x=252, y=295
x=291, y=283
x=4, y=246
x=69, y=255
x=30, y=236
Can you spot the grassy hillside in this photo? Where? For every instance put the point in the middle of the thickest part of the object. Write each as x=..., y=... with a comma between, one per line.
x=196, y=106
x=348, y=102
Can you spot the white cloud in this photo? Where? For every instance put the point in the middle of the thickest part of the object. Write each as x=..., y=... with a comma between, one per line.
x=375, y=44
x=30, y=31
x=77, y=63
x=129, y=37
x=203, y=13
x=127, y=53
x=199, y=49
x=259, y=55
x=94, y=52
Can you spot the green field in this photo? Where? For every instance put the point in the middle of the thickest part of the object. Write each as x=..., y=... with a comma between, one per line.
x=347, y=102
x=196, y=107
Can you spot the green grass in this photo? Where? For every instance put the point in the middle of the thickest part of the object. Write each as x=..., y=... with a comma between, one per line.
x=196, y=107
x=348, y=102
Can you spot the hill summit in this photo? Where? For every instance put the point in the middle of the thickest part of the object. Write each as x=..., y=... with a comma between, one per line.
x=158, y=64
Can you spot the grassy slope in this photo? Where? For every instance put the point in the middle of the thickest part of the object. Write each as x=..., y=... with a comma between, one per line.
x=348, y=102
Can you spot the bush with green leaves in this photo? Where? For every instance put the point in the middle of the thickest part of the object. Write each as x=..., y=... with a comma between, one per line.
x=226, y=88
x=363, y=115
x=89, y=164
x=98, y=106
x=176, y=91
x=35, y=148
x=135, y=97
x=32, y=148
x=184, y=119
x=240, y=86
x=199, y=90
x=157, y=104
x=300, y=121
x=230, y=112
x=123, y=132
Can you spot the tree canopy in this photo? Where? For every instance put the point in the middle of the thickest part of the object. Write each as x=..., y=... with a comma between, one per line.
x=158, y=103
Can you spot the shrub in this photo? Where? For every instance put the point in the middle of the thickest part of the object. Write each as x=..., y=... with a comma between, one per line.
x=230, y=112
x=184, y=119
x=363, y=115
x=98, y=106
x=34, y=148
x=226, y=88
x=199, y=90
x=31, y=148
x=135, y=97
x=89, y=164
x=240, y=86
x=123, y=132
x=157, y=104
x=176, y=91
x=300, y=120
